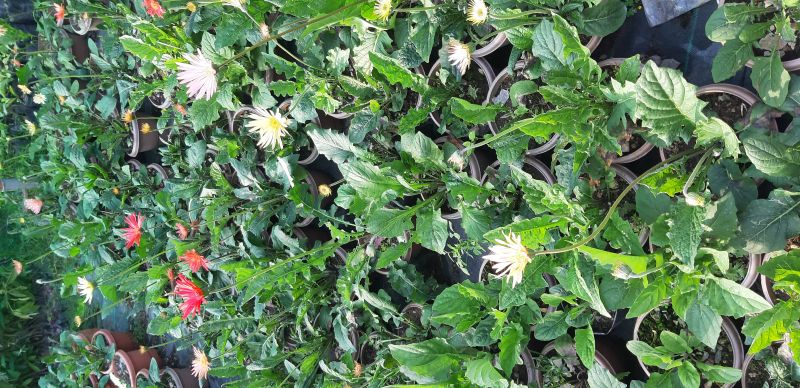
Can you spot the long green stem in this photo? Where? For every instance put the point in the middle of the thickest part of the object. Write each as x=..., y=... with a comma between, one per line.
x=613, y=208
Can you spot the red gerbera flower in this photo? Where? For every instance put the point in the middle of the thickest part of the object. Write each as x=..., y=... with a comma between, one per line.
x=60, y=11
x=194, y=260
x=192, y=296
x=181, y=230
x=133, y=233
x=153, y=8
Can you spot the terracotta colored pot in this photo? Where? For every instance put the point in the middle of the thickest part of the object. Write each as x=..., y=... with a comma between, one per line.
x=134, y=361
x=94, y=380
x=494, y=89
x=484, y=67
x=121, y=340
x=87, y=335
x=182, y=377
x=602, y=356
x=728, y=329
x=80, y=47
x=143, y=142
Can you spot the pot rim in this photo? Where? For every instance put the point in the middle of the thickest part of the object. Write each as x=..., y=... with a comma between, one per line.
x=748, y=359
x=494, y=88
x=753, y=262
x=529, y=160
x=498, y=41
x=159, y=170
x=728, y=329
x=128, y=363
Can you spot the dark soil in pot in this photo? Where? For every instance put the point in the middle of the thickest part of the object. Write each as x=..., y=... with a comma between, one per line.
x=602, y=325
x=663, y=318
x=678, y=147
x=473, y=86
x=727, y=107
x=397, y=108
x=757, y=374
x=413, y=314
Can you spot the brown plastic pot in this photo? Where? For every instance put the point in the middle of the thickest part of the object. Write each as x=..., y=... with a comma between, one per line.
x=143, y=142
x=494, y=89
x=182, y=377
x=766, y=284
x=728, y=329
x=134, y=361
x=80, y=47
x=121, y=340
x=602, y=355
x=484, y=67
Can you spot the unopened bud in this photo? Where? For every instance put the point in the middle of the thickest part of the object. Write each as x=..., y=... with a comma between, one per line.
x=456, y=160
x=694, y=199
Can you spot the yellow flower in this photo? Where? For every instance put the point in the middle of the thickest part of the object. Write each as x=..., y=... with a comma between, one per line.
x=24, y=89
x=127, y=118
x=383, y=8
x=477, y=12
x=509, y=258
x=145, y=129
x=62, y=99
x=324, y=190
x=191, y=7
x=78, y=321
x=115, y=191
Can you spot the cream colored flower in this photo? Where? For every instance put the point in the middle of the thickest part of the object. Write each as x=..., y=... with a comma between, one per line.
x=24, y=89
x=200, y=364
x=39, y=99
x=3, y=31
x=459, y=55
x=17, y=266
x=456, y=160
x=324, y=191
x=477, y=12
x=509, y=258
x=78, y=321
x=86, y=289
x=270, y=127
x=198, y=75
x=383, y=8
x=31, y=127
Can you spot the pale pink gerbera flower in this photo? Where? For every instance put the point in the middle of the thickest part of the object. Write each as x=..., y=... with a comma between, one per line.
x=34, y=205
x=181, y=231
x=509, y=258
x=198, y=75
x=200, y=364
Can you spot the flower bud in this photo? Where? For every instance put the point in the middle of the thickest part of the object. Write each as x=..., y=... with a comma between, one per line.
x=694, y=199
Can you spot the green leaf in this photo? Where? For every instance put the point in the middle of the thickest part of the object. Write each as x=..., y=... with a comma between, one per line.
x=729, y=298
x=648, y=354
x=782, y=268
x=140, y=49
x=770, y=79
x=725, y=177
x=684, y=236
x=649, y=205
x=533, y=232
x=334, y=145
x=481, y=373
x=389, y=222
x=432, y=230
x=551, y=326
x=770, y=326
x=688, y=375
x=674, y=343
x=422, y=149
x=474, y=113
x=720, y=374
x=396, y=73
x=368, y=181
x=580, y=280
x=620, y=235
x=548, y=46
x=721, y=221
x=667, y=105
x=768, y=223
x=203, y=113
x=648, y=299
x=474, y=221
x=550, y=122
x=510, y=347
x=704, y=323
x=391, y=254
x=731, y=57
x=422, y=353
x=772, y=157
x=584, y=344
x=604, y=18
x=600, y=377
x=637, y=264
x=713, y=129
x=459, y=306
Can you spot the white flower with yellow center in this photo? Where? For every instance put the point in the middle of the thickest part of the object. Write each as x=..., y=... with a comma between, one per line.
x=86, y=289
x=200, y=364
x=509, y=258
x=459, y=55
x=39, y=99
x=477, y=12
x=270, y=128
x=383, y=8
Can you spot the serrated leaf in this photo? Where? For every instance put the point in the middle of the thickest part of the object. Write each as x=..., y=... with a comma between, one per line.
x=714, y=129
x=770, y=79
x=396, y=73
x=600, y=377
x=510, y=346
x=768, y=223
x=729, y=298
x=432, y=229
x=685, y=231
x=772, y=157
x=473, y=113
x=334, y=145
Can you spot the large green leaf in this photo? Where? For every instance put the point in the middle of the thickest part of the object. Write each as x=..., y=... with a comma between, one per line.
x=431, y=229
x=368, y=180
x=684, y=235
x=395, y=72
x=713, y=130
x=334, y=145
x=704, y=323
x=473, y=113
x=731, y=57
x=604, y=18
x=636, y=263
x=389, y=222
x=770, y=326
x=585, y=346
x=770, y=79
x=510, y=347
x=768, y=223
x=600, y=377
x=481, y=373
x=667, y=104
x=729, y=298
x=771, y=156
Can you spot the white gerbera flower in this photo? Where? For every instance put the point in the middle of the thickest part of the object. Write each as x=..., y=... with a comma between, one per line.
x=200, y=364
x=509, y=258
x=24, y=89
x=383, y=8
x=86, y=289
x=270, y=127
x=477, y=12
x=198, y=75
x=39, y=98
x=459, y=55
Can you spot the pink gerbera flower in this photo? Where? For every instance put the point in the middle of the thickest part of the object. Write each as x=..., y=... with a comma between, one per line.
x=34, y=205
x=133, y=233
x=60, y=11
x=192, y=295
x=194, y=260
x=181, y=231
x=198, y=75
x=153, y=8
